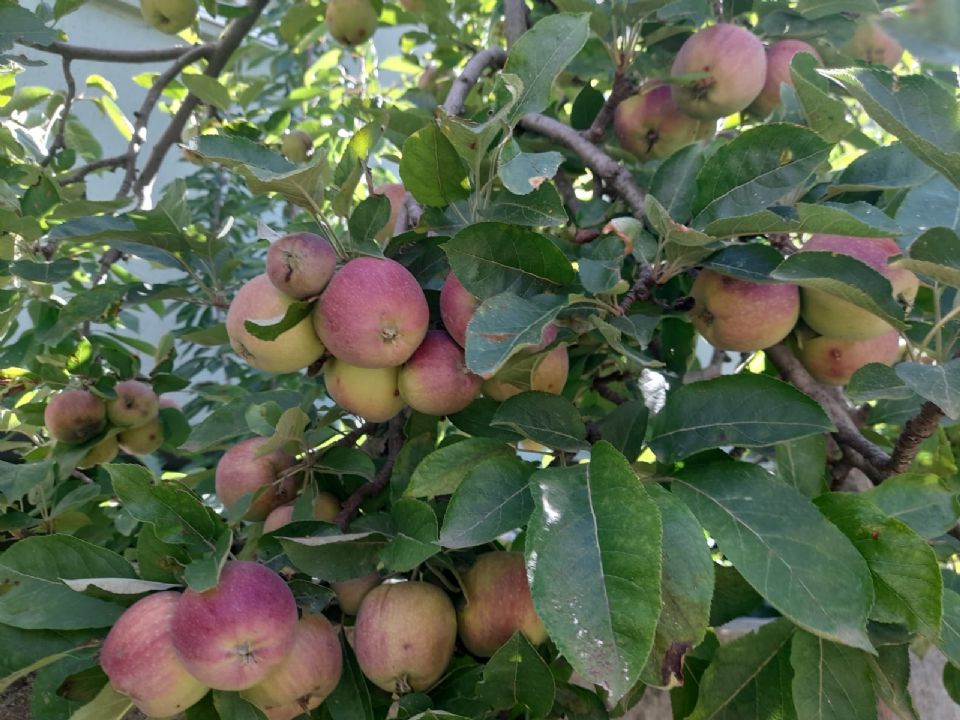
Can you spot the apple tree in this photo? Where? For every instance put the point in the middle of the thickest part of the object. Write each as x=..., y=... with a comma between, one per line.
x=508, y=352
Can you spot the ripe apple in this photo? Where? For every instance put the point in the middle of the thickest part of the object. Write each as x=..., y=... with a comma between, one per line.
x=351, y=22
x=301, y=264
x=651, y=126
x=103, y=452
x=498, y=603
x=311, y=670
x=734, y=58
x=325, y=507
x=296, y=146
x=404, y=635
x=241, y=472
x=373, y=313
x=457, y=306
x=350, y=593
x=829, y=315
x=169, y=16
x=292, y=350
x=136, y=403
x=139, y=659
x=435, y=380
x=397, y=195
x=75, y=416
x=370, y=393
x=548, y=375
x=233, y=636
x=142, y=440
x=872, y=44
x=291, y=710
x=833, y=361
x=734, y=314
x=779, y=57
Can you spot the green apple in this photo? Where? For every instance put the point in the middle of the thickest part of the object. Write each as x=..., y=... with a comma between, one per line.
x=351, y=22
x=169, y=16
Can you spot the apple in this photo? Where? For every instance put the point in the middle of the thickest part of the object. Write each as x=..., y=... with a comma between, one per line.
x=404, y=635
x=435, y=380
x=310, y=671
x=74, y=416
x=142, y=440
x=370, y=393
x=373, y=313
x=233, y=636
x=296, y=146
x=397, y=195
x=498, y=603
x=103, y=452
x=241, y=472
x=136, y=403
x=457, y=306
x=734, y=58
x=292, y=350
x=779, y=57
x=351, y=22
x=350, y=593
x=548, y=375
x=291, y=710
x=872, y=44
x=139, y=659
x=325, y=507
x=169, y=16
x=831, y=316
x=301, y=264
x=833, y=361
x=735, y=314
x=651, y=126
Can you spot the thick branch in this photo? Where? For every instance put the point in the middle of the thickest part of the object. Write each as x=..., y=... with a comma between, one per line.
x=78, y=52
x=457, y=97
x=114, y=161
x=916, y=430
x=622, y=89
x=516, y=22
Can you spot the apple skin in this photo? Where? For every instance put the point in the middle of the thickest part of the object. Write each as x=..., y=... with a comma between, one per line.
x=142, y=440
x=75, y=416
x=734, y=314
x=351, y=22
x=169, y=16
x=301, y=264
x=293, y=350
x=139, y=658
x=779, y=57
x=651, y=126
x=833, y=317
x=136, y=403
x=457, y=306
x=872, y=44
x=103, y=452
x=325, y=507
x=404, y=635
x=549, y=375
x=240, y=472
x=435, y=380
x=291, y=711
x=296, y=146
x=498, y=603
x=397, y=195
x=233, y=636
x=311, y=670
x=370, y=393
x=736, y=61
x=350, y=593
x=833, y=361
x=373, y=313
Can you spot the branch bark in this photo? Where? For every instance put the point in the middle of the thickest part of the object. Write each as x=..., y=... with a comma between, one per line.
x=456, y=101
x=79, y=52
x=916, y=430
x=621, y=90
x=59, y=140
x=516, y=19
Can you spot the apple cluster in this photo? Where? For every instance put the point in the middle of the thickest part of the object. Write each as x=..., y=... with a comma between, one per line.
x=131, y=421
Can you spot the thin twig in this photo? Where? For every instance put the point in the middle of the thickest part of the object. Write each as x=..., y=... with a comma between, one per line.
x=59, y=140
x=641, y=290
x=456, y=101
x=113, y=161
x=350, y=439
x=602, y=387
x=915, y=431
x=79, y=52
x=622, y=89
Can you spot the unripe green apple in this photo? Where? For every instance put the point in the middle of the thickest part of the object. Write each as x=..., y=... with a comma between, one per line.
x=651, y=126
x=74, y=416
x=498, y=603
x=296, y=146
x=734, y=59
x=351, y=22
x=397, y=195
x=142, y=440
x=241, y=472
x=233, y=636
x=872, y=44
x=404, y=635
x=435, y=380
x=831, y=316
x=734, y=314
x=373, y=313
x=103, y=452
x=311, y=670
x=833, y=361
x=301, y=264
x=139, y=659
x=350, y=593
x=292, y=350
x=457, y=306
x=370, y=393
x=136, y=403
x=169, y=16
x=779, y=57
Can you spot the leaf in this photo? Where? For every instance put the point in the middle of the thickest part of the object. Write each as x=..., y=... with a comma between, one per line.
x=934, y=203
x=753, y=262
x=516, y=677
x=442, y=471
x=17, y=480
x=26, y=651
x=596, y=588
x=330, y=555
x=208, y=89
x=940, y=384
x=493, y=499
x=625, y=428
x=744, y=410
x=540, y=54
x=891, y=674
x=350, y=699
x=522, y=173
x=817, y=9
x=17, y=24
x=228, y=421
x=231, y=705
x=107, y=705
x=601, y=263
x=936, y=254
x=431, y=169
x=825, y=114
x=118, y=586
x=51, y=272
x=830, y=681
x=548, y=419
x=369, y=218
x=273, y=328
x=887, y=167
x=541, y=208
x=924, y=502
x=491, y=258
x=876, y=381
x=949, y=641
x=783, y=547
x=801, y=463
x=856, y=218
x=416, y=538
x=674, y=182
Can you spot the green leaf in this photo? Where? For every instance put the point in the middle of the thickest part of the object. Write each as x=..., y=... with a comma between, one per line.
x=228, y=421
x=744, y=410
x=825, y=114
x=596, y=588
x=272, y=328
x=906, y=577
x=52, y=272
x=934, y=203
x=517, y=677
x=522, y=173
x=369, y=218
x=231, y=705
x=752, y=262
x=891, y=674
x=817, y=9
x=935, y=254
x=756, y=170
x=783, y=547
x=625, y=428
x=107, y=705
x=950, y=626
x=830, y=681
x=541, y=208
x=491, y=258
x=749, y=678
x=924, y=502
x=674, y=183
x=549, y=419
x=883, y=168
x=431, y=169
x=26, y=651
x=203, y=573
x=416, y=538
x=940, y=384
x=801, y=463
x=208, y=89
x=493, y=498
x=17, y=24
x=17, y=480
x=442, y=471
x=330, y=555
x=540, y=54
x=350, y=699
x=876, y=381
x=600, y=264
x=856, y=218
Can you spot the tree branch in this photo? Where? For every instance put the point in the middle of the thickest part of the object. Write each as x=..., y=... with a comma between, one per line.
x=622, y=89
x=456, y=101
x=78, y=52
x=516, y=22
x=114, y=161
x=59, y=141
x=916, y=430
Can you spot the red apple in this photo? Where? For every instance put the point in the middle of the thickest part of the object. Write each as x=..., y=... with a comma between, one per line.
x=370, y=393
x=75, y=416
x=350, y=593
x=435, y=379
x=241, y=472
x=325, y=507
x=136, y=403
x=651, y=126
x=779, y=57
x=456, y=308
x=301, y=264
x=872, y=44
x=833, y=361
